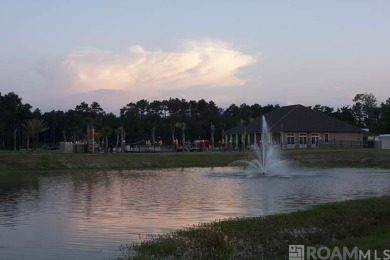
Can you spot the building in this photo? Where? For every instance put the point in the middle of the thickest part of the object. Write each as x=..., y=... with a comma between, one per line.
x=297, y=126
x=384, y=141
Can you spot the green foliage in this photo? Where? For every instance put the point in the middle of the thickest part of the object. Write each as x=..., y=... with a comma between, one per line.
x=165, y=246
x=12, y=113
x=33, y=127
x=139, y=118
x=362, y=223
x=365, y=110
x=55, y=160
x=377, y=238
x=384, y=122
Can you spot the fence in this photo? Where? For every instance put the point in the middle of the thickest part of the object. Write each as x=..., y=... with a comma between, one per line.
x=383, y=144
x=330, y=144
x=347, y=144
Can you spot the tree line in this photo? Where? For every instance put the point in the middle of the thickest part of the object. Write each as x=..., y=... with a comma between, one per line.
x=159, y=122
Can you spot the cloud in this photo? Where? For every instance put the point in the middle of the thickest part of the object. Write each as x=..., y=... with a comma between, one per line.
x=196, y=63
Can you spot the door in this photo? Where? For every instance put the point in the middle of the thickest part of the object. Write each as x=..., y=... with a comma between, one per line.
x=314, y=140
x=302, y=140
x=290, y=141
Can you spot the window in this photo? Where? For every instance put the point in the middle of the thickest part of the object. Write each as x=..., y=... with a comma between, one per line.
x=315, y=138
x=326, y=138
x=290, y=138
x=302, y=138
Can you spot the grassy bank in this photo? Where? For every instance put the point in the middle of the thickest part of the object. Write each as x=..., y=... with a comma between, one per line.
x=55, y=160
x=340, y=157
x=361, y=223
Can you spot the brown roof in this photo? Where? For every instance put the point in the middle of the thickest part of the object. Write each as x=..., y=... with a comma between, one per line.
x=297, y=118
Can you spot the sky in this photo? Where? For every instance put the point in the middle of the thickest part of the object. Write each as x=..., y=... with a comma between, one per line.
x=56, y=54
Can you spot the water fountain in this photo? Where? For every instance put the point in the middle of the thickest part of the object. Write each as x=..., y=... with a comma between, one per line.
x=267, y=159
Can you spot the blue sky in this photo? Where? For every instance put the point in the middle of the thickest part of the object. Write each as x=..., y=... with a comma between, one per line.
x=55, y=54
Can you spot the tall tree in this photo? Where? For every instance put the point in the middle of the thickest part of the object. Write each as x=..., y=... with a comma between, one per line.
x=385, y=117
x=13, y=112
x=96, y=110
x=34, y=127
x=365, y=110
x=345, y=113
x=2, y=121
x=324, y=109
x=120, y=135
x=106, y=132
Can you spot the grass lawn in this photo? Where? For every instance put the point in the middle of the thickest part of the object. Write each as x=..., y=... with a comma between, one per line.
x=358, y=223
x=340, y=157
x=55, y=160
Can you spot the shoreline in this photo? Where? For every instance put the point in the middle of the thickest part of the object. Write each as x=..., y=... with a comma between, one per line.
x=362, y=223
x=12, y=162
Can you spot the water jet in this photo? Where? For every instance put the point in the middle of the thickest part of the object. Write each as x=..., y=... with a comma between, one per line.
x=267, y=159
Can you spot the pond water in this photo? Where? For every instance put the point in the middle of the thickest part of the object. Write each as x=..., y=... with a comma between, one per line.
x=89, y=215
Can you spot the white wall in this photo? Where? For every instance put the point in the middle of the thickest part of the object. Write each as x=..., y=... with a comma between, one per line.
x=385, y=144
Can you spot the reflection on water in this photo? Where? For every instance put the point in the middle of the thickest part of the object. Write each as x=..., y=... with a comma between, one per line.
x=89, y=215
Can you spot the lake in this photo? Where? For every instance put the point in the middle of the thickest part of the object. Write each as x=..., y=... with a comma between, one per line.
x=89, y=215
